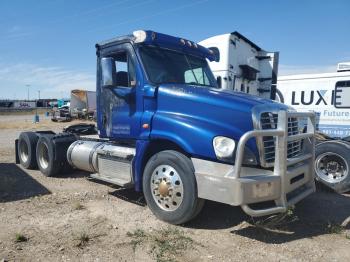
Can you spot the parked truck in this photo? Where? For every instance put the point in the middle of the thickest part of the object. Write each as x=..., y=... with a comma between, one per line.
x=243, y=65
x=248, y=68
x=328, y=94
x=167, y=130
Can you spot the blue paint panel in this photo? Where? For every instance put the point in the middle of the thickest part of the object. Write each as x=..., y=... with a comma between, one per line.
x=192, y=116
x=141, y=147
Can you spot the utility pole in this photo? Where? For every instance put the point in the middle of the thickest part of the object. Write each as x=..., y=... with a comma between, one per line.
x=39, y=94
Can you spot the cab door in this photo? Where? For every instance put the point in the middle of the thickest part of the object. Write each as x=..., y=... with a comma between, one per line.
x=121, y=103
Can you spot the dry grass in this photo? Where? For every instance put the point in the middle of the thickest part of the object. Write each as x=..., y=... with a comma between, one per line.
x=43, y=124
x=23, y=111
x=78, y=206
x=83, y=239
x=333, y=228
x=165, y=244
x=20, y=238
x=28, y=125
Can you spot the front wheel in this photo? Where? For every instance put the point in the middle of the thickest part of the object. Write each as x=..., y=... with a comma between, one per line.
x=170, y=187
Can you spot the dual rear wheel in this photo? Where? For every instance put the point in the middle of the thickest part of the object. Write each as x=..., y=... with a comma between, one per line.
x=39, y=151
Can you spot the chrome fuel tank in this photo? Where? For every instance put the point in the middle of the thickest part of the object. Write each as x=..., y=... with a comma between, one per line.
x=90, y=155
x=82, y=155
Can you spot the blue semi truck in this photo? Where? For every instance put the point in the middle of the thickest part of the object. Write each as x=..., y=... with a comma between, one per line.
x=164, y=128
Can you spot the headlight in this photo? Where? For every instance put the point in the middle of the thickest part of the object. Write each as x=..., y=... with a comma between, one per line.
x=223, y=146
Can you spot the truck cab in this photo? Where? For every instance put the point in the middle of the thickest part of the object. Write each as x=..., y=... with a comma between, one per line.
x=165, y=128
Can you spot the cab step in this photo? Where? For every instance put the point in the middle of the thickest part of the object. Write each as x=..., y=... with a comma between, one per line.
x=112, y=180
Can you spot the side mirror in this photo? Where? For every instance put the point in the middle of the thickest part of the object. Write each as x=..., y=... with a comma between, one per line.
x=108, y=72
x=216, y=52
x=218, y=81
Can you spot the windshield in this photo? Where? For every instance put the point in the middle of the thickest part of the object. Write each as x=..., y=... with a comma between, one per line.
x=167, y=66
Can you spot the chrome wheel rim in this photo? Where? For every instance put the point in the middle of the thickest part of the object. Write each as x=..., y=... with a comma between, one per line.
x=166, y=188
x=331, y=167
x=23, y=147
x=43, y=156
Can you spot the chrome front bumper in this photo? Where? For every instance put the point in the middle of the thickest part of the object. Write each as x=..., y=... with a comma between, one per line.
x=291, y=179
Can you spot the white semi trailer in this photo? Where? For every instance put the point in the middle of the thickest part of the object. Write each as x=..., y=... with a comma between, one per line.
x=328, y=94
x=245, y=67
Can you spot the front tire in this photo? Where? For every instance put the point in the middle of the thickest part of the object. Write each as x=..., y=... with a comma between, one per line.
x=170, y=187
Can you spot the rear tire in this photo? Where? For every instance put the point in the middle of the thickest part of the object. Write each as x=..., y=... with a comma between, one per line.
x=46, y=157
x=332, y=163
x=27, y=149
x=170, y=187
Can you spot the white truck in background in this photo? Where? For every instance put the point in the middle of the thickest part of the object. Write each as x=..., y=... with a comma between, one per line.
x=82, y=104
x=245, y=67
x=328, y=94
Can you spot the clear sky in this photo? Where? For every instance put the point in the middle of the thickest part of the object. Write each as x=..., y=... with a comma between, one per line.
x=49, y=45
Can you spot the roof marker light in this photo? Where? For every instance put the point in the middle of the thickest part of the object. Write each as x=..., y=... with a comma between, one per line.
x=183, y=41
x=189, y=43
x=140, y=36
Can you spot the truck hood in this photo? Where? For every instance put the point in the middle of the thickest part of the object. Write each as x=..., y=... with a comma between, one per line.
x=203, y=113
x=190, y=96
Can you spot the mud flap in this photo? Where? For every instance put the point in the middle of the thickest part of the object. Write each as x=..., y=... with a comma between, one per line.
x=16, y=152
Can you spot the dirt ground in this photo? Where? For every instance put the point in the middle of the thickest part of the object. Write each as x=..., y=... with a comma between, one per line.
x=72, y=218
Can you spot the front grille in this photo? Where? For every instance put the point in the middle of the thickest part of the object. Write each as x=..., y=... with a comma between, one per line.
x=269, y=120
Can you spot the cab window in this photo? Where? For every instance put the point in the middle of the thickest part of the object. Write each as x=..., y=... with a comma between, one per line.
x=125, y=68
x=196, y=76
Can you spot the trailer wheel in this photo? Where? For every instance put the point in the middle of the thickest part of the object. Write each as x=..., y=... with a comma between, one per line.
x=332, y=165
x=45, y=156
x=26, y=149
x=170, y=187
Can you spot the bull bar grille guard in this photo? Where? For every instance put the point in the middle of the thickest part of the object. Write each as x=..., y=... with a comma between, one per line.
x=283, y=166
